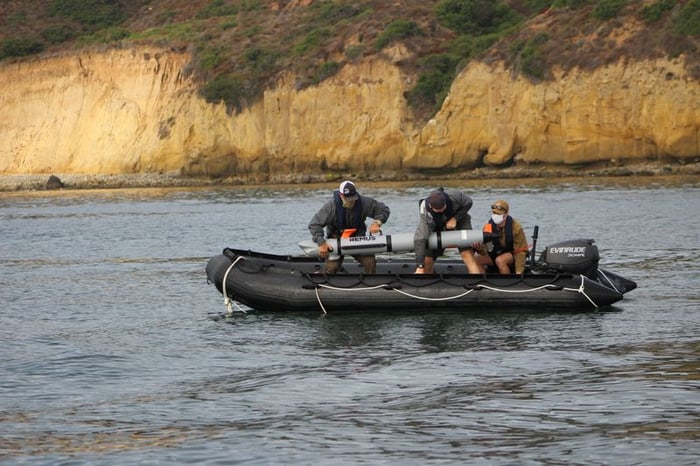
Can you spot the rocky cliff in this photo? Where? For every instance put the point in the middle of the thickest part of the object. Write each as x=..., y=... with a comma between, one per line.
x=138, y=111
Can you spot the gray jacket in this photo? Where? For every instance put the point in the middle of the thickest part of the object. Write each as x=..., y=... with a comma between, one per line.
x=461, y=203
x=325, y=221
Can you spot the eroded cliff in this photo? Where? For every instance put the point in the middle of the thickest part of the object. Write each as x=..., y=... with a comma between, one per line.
x=138, y=111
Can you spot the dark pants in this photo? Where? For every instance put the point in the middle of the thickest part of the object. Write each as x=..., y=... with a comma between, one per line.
x=368, y=262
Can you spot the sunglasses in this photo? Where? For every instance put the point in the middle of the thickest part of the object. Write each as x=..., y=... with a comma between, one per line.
x=499, y=208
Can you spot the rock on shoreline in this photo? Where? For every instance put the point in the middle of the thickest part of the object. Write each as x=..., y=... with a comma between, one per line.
x=160, y=180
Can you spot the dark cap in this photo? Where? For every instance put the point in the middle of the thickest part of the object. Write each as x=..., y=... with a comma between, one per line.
x=436, y=200
x=348, y=190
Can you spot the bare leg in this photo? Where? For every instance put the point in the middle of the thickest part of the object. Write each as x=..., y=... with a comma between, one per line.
x=483, y=262
x=503, y=262
x=470, y=261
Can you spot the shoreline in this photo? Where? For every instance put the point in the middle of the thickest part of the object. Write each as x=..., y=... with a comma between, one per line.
x=49, y=182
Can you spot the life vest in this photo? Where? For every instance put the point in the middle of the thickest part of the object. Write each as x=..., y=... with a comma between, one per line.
x=357, y=220
x=497, y=250
x=441, y=218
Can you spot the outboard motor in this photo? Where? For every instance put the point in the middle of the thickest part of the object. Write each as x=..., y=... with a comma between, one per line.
x=573, y=256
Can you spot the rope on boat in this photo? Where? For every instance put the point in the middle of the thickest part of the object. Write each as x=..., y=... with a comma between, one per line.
x=581, y=289
x=447, y=298
x=423, y=298
x=607, y=279
x=228, y=301
x=319, y=301
x=321, y=285
x=543, y=287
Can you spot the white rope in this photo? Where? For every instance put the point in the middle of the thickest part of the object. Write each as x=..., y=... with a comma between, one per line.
x=318, y=298
x=322, y=285
x=580, y=289
x=447, y=298
x=548, y=285
x=228, y=301
x=607, y=279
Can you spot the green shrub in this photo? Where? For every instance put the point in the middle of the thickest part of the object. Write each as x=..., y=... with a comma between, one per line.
x=476, y=17
x=217, y=8
x=19, y=48
x=312, y=40
x=331, y=13
x=237, y=92
x=354, y=52
x=105, y=36
x=654, y=12
x=58, y=34
x=230, y=24
x=210, y=57
x=94, y=14
x=532, y=59
x=252, y=31
x=608, y=9
x=326, y=70
x=18, y=18
x=538, y=5
x=250, y=5
x=395, y=31
x=688, y=21
x=467, y=46
x=438, y=72
x=261, y=60
x=571, y=4
x=178, y=31
x=166, y=16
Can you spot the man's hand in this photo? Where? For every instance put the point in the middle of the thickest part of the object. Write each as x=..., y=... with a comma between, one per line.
x=451, y=224
x=375, y=228
x=323, y=250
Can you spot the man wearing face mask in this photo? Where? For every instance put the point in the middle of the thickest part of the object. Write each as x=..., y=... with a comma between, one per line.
x=344, y=216
x=509, y=252
x=440, y=211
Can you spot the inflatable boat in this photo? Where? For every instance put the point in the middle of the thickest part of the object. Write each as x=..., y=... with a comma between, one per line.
x=565, y=277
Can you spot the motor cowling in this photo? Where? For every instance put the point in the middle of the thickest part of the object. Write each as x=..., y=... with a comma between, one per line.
x=573, y=256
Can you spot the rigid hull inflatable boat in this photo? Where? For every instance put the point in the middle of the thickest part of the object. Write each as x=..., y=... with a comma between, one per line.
x=566, y=277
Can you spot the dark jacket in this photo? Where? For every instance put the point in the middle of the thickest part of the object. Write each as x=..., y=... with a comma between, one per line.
x=460, y=205
x=329, y=221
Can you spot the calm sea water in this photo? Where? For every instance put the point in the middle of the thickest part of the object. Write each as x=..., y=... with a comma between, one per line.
x=115, y=350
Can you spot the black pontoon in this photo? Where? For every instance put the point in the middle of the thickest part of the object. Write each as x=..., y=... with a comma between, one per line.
x=566, y=277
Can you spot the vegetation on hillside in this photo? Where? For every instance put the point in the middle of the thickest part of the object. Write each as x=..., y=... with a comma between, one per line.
x=241, y=47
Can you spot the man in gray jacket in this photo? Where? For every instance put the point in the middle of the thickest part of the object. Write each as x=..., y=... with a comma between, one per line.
x=440, y=211
x=344, y=216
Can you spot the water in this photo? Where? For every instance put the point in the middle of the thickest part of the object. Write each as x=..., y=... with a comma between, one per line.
x=114, y=350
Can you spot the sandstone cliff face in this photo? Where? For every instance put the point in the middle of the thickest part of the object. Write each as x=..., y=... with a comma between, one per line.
x=137, y=111
x=644, y=110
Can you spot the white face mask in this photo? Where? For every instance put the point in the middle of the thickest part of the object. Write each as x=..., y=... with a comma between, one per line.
x=497, y=218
